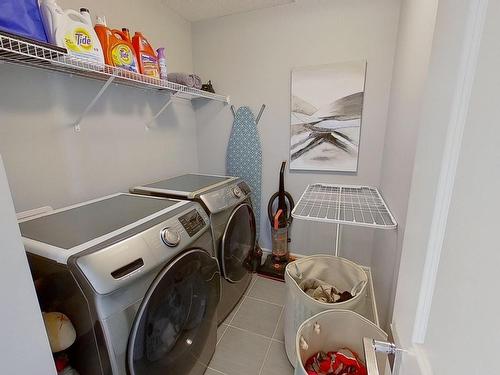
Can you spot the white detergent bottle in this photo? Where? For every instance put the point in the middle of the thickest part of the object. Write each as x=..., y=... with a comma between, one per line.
x=71, y=30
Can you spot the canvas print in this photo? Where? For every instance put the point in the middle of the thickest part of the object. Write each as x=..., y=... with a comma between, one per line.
x=326, y=111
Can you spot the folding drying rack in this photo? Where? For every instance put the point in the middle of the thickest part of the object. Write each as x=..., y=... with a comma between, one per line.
x=344, y=205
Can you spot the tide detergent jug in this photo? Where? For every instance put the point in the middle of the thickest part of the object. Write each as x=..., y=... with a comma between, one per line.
x=71, y=30
x=118, y=49
x=146, y=56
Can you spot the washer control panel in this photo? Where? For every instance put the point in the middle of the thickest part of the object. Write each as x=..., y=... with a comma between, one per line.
x=192, y=222
x=226, y=196
x=237, y=192
x=243, y=186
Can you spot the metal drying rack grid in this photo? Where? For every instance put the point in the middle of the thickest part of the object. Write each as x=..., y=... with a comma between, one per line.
x=344, y=204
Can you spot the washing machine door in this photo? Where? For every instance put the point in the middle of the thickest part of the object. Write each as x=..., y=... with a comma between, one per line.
x=238, y=241
x=175, y=328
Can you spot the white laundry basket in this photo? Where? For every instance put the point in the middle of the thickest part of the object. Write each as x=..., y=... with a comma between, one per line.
x=342, y=273
x=333, y=330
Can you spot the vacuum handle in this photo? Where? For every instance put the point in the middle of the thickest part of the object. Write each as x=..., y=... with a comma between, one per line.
x=281, y=195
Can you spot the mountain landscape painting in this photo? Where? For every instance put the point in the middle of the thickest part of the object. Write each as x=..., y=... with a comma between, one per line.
x=326, y=112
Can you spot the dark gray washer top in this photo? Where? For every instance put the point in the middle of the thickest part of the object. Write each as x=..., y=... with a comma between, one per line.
x=75, y=226
x=188, y=183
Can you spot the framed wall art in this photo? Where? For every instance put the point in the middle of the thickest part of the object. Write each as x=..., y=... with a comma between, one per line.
x=326, y=116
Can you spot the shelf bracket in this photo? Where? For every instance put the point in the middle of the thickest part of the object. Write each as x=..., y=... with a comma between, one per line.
x=93, y=102
x=162, y=109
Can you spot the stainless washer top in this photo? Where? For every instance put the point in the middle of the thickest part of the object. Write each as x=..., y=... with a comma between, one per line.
x=216, y=193
x=59, y=234
x=186, y=186
x=78, y=225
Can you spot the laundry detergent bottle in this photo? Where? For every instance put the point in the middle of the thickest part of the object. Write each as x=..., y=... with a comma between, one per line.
x=118, y=49
x=146, y=56
x=71, y=30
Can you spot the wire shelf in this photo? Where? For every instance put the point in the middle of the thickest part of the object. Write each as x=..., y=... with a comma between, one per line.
x=26, y=53
x=344, y=204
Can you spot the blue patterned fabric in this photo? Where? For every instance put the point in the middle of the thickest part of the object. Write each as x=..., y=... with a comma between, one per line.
x=244, y=156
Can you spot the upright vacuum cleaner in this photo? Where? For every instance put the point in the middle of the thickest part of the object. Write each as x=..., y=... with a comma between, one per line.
x=280, y=218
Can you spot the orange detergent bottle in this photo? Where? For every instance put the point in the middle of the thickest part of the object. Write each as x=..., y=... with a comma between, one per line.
x=117, y=47
x=146, y=56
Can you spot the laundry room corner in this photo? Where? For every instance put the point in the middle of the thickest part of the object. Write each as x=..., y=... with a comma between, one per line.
x=251, y=56
x=416, y=27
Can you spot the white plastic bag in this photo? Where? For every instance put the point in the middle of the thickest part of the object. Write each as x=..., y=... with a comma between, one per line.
x=342, y=273
x=333, y=330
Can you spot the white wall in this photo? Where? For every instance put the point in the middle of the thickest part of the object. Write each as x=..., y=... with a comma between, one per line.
x=24, y=346
x=49, y=164
x=415, y=33
x=250, y=56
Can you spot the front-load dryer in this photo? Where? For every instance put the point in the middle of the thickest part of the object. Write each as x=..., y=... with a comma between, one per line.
x=227, y=200
x=136, y=277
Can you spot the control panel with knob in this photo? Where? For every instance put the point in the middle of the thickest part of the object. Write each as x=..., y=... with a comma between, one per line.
x=237, y=192
x=170, y=237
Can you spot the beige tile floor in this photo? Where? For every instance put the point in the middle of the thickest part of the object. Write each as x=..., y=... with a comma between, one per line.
x=250, y=341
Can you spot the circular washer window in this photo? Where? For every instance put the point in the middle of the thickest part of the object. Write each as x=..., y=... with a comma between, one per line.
x=176, y=322
x=238, y=242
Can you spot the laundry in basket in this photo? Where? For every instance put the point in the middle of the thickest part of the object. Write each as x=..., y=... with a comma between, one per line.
x=335, y=330
x=341, y=273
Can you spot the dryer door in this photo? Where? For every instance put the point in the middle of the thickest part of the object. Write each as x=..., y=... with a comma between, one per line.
x=175, y=329
x=238, y=241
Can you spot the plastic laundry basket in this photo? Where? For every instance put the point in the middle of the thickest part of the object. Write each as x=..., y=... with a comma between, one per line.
x=342, y=273
x=333, y=330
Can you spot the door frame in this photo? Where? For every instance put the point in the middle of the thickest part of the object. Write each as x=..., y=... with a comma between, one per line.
x=473, y=17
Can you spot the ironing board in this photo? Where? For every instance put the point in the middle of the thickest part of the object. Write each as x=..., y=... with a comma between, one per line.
x=244, y=156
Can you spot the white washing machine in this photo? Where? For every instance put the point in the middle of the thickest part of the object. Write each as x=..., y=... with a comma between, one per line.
x=227, y=200
x=137, y=278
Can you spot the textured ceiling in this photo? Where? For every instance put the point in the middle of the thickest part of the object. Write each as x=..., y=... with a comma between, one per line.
x=196, y=10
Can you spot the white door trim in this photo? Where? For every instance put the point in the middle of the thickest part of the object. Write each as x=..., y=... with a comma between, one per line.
x=453, y=145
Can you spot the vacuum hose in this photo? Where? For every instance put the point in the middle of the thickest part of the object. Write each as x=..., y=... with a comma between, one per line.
x=291, y=205
x=282, y=196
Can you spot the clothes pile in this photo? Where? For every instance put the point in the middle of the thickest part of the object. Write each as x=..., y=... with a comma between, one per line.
x=323, y=292
x=342, y=362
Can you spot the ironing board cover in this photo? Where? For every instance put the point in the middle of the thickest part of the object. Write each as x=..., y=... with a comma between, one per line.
x=244, y=156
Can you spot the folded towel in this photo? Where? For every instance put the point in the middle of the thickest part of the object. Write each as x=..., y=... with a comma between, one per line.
x=197, y=81
x=181, y=78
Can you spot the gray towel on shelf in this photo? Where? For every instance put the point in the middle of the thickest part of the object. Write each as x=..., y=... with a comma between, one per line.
x=186, y=79
x=197, y=81
x=181, y=78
